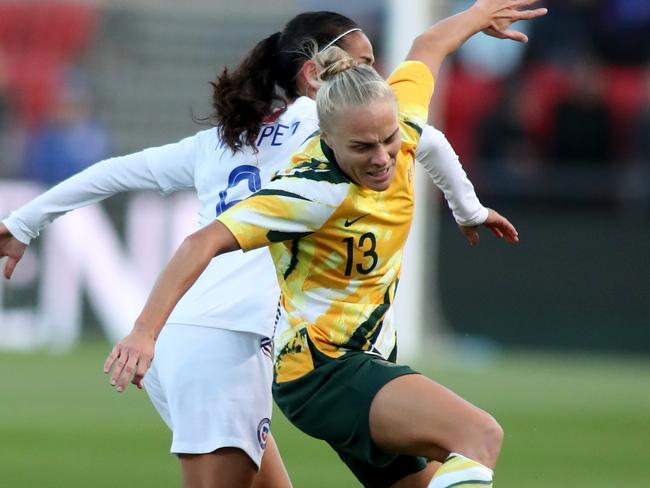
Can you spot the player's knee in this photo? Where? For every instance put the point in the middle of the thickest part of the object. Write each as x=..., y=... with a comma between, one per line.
x=490, y=439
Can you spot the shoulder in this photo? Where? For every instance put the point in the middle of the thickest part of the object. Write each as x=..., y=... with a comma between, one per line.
x=314, y=177
x=412, y=71
x=412, y=83
x=302, y=108
x=312, y=164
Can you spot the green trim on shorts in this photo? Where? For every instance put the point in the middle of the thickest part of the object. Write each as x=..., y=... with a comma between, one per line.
x=332, y=403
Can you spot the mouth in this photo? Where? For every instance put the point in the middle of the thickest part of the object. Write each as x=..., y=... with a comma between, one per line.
x=380, y=178
x=379, y=173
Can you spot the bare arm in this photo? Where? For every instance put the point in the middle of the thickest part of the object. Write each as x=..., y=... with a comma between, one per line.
x=493, y=16
x=131, y=357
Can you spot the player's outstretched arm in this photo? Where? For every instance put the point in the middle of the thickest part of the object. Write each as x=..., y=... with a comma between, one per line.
x=131, y=357
x=98, y=182
x=11, y=248
x=492, y=16
x=497, y=223
x=438, y=158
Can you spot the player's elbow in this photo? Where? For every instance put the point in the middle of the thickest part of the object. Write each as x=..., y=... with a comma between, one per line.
x=212, y=240
x=198, y=245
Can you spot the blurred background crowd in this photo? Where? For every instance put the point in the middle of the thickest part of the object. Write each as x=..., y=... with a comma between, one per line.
x=565, y=117
x=556, y=133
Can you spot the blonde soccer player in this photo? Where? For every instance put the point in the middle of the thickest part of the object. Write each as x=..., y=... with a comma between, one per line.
x=336, y=221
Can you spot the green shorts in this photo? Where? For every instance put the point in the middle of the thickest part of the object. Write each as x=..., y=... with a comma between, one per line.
x=332, y=403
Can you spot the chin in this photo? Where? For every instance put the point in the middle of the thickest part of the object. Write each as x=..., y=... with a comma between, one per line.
x=379, y=187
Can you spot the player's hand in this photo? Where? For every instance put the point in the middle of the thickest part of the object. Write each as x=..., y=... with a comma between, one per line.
x=12, y=248
x=503, y=13
x=130, y=359
x=498, y=224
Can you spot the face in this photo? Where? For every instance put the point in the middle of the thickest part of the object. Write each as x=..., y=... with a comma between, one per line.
x=358, y=46
x=365, y=141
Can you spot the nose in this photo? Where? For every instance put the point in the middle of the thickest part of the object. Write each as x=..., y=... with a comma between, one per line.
x=380, y=157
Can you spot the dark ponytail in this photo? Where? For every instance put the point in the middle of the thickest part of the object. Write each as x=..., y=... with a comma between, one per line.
x=242, y=98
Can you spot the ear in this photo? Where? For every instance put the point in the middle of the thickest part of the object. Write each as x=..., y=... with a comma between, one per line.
x=309, y=74
x=324, y=137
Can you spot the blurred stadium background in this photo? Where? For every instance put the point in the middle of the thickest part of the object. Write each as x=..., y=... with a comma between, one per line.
x=551, y=336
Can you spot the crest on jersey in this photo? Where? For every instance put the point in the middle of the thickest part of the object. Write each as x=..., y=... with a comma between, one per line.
x=263, y=432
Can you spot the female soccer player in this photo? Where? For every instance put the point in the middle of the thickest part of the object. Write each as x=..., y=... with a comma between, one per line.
x=336, y=221
x=219, y=413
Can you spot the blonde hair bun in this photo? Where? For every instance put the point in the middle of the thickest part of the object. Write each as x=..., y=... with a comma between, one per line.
x=333, y=61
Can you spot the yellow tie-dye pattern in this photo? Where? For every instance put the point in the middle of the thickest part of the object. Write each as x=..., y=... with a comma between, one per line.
x=345, y=271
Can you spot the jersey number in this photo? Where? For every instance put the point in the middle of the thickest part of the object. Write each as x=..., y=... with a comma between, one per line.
x=245, y=172
x=369, y=252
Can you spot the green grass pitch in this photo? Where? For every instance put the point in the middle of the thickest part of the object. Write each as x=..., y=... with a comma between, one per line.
x=569, y=422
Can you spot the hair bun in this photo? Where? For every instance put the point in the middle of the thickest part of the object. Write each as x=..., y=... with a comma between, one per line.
x=333, y=61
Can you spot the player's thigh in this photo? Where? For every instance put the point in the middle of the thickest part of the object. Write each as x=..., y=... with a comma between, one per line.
x=272, y=473
x=415, y=415
x=224, y=468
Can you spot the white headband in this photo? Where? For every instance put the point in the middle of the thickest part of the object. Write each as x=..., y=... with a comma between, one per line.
x=338, y=38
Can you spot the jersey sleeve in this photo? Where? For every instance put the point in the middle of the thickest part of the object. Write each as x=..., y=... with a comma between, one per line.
x=173, y=165
x=439, y=159
x=291, y=206
x=94, y=184
x=166, y=169
x=412, y=83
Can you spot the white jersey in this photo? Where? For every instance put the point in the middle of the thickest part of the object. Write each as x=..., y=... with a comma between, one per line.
x=239, y=290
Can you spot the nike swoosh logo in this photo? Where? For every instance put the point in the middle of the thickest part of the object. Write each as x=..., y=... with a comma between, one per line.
x=348, y=223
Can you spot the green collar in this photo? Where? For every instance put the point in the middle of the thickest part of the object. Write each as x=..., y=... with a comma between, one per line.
x=331, y=158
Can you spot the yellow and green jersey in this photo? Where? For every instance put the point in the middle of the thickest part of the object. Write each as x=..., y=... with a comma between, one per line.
x=337, y=246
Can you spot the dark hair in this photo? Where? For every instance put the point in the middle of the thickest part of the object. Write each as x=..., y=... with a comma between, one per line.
x=243, y=97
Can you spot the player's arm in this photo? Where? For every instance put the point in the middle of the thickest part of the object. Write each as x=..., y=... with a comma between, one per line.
x=439, y=159
x=274, y=214
x=162, y=169
x=435, y=154
x=10, y=248
x=493, y=16
x=131, y=357
x=92, y=185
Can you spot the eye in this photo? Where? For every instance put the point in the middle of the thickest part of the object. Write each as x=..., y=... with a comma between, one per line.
x=392, y=137
x=359, y=148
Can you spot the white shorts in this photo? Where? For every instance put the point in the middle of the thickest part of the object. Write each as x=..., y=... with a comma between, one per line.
x=213, y=388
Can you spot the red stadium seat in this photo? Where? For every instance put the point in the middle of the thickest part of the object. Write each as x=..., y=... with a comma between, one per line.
x=38, y=41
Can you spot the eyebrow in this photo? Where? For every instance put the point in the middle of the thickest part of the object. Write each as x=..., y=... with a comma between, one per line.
x=370, y=143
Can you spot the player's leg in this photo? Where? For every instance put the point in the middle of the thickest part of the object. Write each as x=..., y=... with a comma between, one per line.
x=419, y=479
x=230, y=467
x=415, y=415
x=272, y=473
x=214, y=385
x=224, y=468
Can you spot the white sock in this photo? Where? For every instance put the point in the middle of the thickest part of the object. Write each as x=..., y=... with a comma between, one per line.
x=461, y=472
